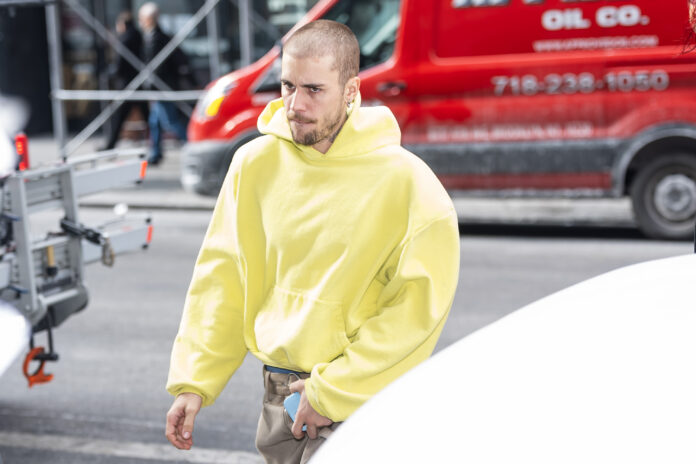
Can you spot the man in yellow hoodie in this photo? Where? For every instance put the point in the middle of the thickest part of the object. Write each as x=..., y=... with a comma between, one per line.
x=332, y=256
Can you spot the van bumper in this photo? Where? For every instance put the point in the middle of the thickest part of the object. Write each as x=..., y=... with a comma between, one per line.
x=203, y=166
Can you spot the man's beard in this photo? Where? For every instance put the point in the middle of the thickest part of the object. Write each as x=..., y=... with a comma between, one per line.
x=328, y=130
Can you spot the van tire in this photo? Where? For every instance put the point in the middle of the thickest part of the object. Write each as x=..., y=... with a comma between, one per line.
x=663, y=194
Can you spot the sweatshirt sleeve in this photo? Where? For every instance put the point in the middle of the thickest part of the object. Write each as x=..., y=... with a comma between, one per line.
x=209, y=346
x=411, y=312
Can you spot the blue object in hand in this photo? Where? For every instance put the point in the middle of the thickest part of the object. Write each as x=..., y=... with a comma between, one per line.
x=291, y=404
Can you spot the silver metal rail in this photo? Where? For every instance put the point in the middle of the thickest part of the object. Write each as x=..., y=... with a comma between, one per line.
x=248, y=19
x=48, y=270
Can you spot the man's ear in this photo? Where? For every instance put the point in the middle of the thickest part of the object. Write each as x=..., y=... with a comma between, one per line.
x=350, y=91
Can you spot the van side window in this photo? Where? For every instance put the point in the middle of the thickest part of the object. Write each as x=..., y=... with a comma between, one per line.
x=374, y=22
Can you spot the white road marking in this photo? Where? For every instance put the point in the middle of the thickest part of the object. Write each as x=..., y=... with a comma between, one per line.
x=125, y=449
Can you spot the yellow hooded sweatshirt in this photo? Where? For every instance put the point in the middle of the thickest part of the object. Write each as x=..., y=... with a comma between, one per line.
x=341, y=264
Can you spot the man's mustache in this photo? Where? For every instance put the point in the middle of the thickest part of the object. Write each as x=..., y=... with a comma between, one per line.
x=292, y=116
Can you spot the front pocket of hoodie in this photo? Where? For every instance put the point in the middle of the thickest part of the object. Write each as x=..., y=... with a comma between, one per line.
x=299, y=330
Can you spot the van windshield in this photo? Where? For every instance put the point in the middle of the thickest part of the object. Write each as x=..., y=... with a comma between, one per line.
x=374, y=22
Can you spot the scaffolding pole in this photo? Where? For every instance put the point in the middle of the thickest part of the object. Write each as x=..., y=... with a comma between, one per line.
x=55, y=60
x=246, y=38
x=248, y=18
x=213, y=44
x=138, y=95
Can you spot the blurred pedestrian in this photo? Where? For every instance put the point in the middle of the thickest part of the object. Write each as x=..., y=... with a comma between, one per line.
x=332, y=256
x=173, y=70
x=122, y=72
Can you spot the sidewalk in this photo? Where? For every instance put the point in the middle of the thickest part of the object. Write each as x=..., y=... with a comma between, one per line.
x=162, y=190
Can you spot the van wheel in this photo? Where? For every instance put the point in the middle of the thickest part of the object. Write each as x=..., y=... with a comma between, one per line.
x=664, y=197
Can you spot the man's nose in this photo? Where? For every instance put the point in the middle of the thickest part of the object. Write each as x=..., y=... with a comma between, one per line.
x=297, y=102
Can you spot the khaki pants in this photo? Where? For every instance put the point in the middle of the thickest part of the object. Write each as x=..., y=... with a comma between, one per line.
x=274, y=440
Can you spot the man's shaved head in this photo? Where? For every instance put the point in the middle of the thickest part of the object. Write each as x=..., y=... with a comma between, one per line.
x=323, y=37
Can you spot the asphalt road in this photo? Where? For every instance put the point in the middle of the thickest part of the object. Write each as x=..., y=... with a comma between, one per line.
x=107, y=402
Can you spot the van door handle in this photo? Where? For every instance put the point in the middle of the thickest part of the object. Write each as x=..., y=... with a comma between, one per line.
x=391, y=89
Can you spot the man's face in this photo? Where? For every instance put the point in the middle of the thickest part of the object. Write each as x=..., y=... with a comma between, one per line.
x=146, y=22
x=314, y=100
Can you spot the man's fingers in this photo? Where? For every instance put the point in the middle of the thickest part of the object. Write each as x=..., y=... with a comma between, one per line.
x=190, y=417
x=312, y=431
x=306, y=415
x=172, y=422
x=180, y=418
x=171, y=430
x=297, y=430
x=297, y=386
x=324, y=422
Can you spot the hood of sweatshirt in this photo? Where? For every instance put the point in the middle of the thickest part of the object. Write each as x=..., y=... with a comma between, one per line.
x=365, y=130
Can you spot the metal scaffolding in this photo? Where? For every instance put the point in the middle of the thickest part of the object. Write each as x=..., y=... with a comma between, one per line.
x=146, y=71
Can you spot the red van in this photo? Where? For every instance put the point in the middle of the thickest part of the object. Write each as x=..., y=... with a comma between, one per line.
x=507, y=97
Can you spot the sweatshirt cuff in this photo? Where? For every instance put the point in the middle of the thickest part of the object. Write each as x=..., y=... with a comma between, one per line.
x=177, y=390
x=312, y=397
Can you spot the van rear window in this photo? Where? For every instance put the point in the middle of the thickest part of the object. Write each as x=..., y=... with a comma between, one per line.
x=494, y=27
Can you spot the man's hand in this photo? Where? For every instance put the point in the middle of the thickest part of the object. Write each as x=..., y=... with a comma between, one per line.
x=179, y=430
x=306, y=415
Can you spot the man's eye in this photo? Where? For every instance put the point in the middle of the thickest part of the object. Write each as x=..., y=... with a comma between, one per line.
x=288, y=85
x=314, y=89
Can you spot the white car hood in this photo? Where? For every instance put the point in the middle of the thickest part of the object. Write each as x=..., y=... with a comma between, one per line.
x=14, y=335
x=14, y=328
x=601, y=372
